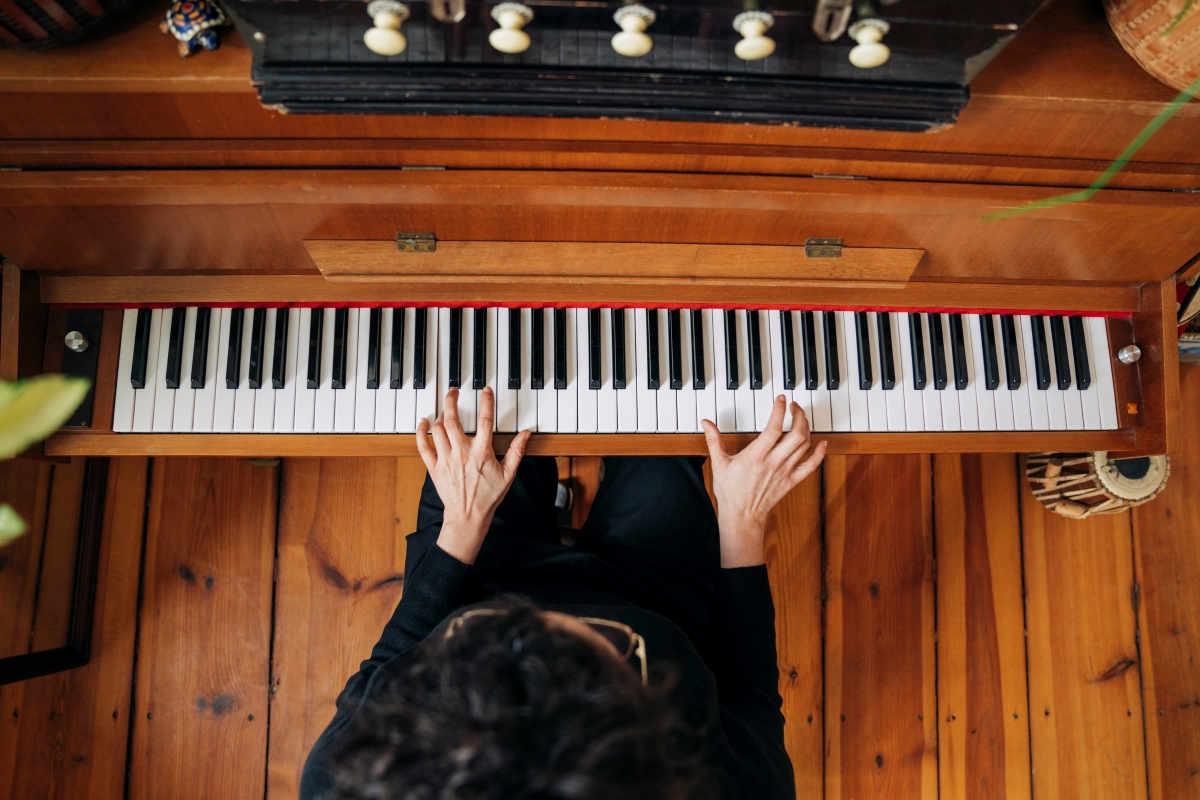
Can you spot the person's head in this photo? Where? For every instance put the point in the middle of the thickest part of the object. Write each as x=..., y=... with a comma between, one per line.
x=520, y=703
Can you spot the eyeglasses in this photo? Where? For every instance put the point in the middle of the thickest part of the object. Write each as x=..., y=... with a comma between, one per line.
x=623, y=638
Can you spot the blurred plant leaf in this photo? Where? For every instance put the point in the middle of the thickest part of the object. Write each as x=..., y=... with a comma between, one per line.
x=11, y=524
x=30, y=410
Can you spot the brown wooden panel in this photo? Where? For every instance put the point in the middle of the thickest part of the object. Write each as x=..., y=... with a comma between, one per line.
x=106, y=371
x=63, y=736
x=22, y=324
x=1168, y=576
x=57, y=581
x=1158, y=370
x=880, y=673
x=25, y=485
x=1084, y=679
x=200, y=728
x=793, y=551
x=584, y=476
x=983, y=704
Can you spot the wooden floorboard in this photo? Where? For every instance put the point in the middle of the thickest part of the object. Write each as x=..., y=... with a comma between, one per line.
x=983, y=727
x=200, y=724
x=880, y=703
x=1167, y=539
x=342, y=525
x=25, y=485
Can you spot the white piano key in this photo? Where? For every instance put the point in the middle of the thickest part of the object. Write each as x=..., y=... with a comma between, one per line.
x=206, y=397
x=344, y=400
x=667, y=403
x=773, y=332
x=185, y=396
x=726, y=405
x=164, y=398
x=364, y=398
x=406, y=395
x=743, y=397
x=877, y=413
x=568, y=399
x=968, y=399
x=839, y=399
x=123, y=396
x=948, y=397
x=914, y=400
x=442, y=349
x=985, y=403
x=306, y=399
x=547, y=397
x=385, y=395
x=285, y=398
x=326, y=402
x=468, y=395
x=1039, y=418
x=427, y=400
x=627, y=398
x=894, y=398
x=860, y=417
x=706, y=398
x=606, y=398
x=930, y=398
x=1072, y=400
x=143, y=399
x=1102, y=377
x=244, y=396
x=527, y=401
x=820, y=418
x=764, y=398
x=1091, y=395
x=647, y=398
x=588, y=398
x=506, y=398
x=1022, y=410
x=686, y=420
x=1056, y=400
x=264, y=396
x=1002, y=397
x=491, y=370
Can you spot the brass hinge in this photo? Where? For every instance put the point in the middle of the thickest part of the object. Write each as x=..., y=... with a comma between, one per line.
x=416, y=242
x=823, y=248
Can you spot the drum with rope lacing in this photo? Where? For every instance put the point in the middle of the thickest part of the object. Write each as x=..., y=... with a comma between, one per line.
x=1079, y=485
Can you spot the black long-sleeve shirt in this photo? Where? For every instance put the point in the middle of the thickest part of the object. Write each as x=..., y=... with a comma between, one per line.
x=738, y=687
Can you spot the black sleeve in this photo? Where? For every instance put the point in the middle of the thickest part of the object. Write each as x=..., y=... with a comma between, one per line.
x=747, y=672
x=430, y=595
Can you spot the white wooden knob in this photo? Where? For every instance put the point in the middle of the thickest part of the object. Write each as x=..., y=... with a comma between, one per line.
x=509, y=38
x=870, y=52
x=385, y=38
x=754, y=45
x=632, y=41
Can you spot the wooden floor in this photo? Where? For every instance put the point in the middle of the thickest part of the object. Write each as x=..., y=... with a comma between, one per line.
x=940, y=634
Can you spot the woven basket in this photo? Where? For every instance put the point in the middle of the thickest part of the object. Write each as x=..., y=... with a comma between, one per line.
x=1141, y=25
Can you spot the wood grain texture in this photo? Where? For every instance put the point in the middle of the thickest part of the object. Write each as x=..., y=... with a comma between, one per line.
x=1168, y=576
x=200, y=728
x=585, y=482
x=22, y=324
x=1158, y=369
x=983, y=704
x=793, y=552
x=64, y=736
x=880, y=671
x=25, y=485
x=1085, y=697
x=57, y=582
x=106, y=371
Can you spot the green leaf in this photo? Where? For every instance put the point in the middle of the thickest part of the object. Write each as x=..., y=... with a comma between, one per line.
x=11, y=524
x=30, y=410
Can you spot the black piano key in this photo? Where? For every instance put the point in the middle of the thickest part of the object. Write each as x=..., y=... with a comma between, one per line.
x=396, y=360
x=833, y=367
x=674, y=349
x=698, y=377
x=374, y=332
x=1079, y=354
x=279, y=359
x=316, y=328
x=514, y=348
x=937, y=349
x=420, y=334
x=1062, y=365
x=341, y=327
x=538, y=367
x=141, y=348
x=887, y=357
x=787, y=349
x=258, y=349
x=455, y=370
x=1012, y=360
x=808, y=340
x=237, y=324
x=652, y=348
x=958, y=352
x=991, y=367
x=593, y=348
x=618, y=337
x=560, y=348
x=1041, y=356
x=862, y=333
x=175, y=347
x=731, y=358
x=755, y=337
x=916, y=341
x=479, y=360
x=200, y=347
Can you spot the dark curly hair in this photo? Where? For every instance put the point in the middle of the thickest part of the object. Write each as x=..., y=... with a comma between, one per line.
x=509, y=708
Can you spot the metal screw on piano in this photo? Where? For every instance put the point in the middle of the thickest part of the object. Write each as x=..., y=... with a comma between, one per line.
x=1080, y=485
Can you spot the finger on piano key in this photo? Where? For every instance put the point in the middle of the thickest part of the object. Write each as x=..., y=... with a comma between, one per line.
x=820, y=419
x=706, y=394
x=141, y=348
x=258, y=342
x=674, y=349
x=547, y=395
x=568, y=398
x=514, y=341
x=851, y=332
x=959, y=352
x=289, y=377
x=326, y=401
x=890, y=350
x=606, y=398
x=653, y=350
x=987, y=340
x=527, y=400
x=185, y=396
x=877, y=401
x=200, y=347
x=948, y=395
x=686, y=420
x=700, y=376
x=985, y=402
x=625, y=369
x=468, y=395
x=1041, y=352
x=306, y=390
x=937, y=351
x=1097, y=332
x=479, y=353
x=385, y=395
x=1022, y=407
x=647, y=399
x=540, y=348
x=175, y=344
x=776, y=323
x=929, y=397
x=374, y=339
x=588, y=401
x=836, y=369
x=498, y=373
x=264, y=394
x=164, y=398
x=1058, y=344
x=560, y=348
x=345, y=399
x=1084, y=372
x=963, y=330
x=1002, y=396
x=364, y=397
x=912, y=354
x=426, y=378
x=406, y=393
x=1039, y=419
x=206, y=393
x=143, y=399
x=243, y=395
x=668, y=404
x=743, y=398
x=316, y=346
x=397, y=326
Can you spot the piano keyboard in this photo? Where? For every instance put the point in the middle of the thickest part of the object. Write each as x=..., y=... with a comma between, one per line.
x=578, y=370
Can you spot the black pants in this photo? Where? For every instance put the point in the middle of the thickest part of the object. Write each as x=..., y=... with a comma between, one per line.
x=650, y=539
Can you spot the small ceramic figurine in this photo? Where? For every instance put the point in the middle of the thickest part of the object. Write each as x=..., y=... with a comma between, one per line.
x=194, y=22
